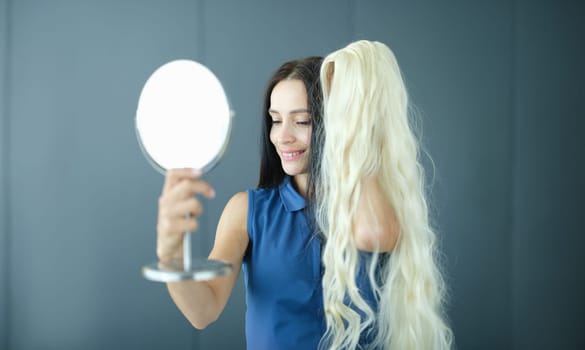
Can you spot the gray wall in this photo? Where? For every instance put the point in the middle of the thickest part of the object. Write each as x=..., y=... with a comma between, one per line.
x=4, y=201
x=498, y=89
x=548, y=288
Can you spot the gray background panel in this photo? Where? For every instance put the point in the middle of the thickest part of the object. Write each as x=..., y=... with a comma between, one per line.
x=498, y=93
x=549, y=181
x=4, y=200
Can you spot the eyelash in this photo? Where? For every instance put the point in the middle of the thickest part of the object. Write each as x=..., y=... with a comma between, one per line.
x=308, y=122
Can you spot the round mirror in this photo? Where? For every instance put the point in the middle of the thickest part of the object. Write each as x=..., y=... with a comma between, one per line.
x=183, y=120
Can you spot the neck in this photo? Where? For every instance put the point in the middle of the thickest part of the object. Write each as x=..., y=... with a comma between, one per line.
x=300, y=184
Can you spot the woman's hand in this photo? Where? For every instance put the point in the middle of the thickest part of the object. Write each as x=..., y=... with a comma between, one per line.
x=178, y=210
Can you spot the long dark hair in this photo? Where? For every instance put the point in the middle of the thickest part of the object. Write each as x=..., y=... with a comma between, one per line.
x=306, y=70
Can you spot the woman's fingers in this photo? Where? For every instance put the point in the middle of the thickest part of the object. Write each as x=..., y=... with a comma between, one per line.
x=170, y=236
x=173, y=176
x=178, y=210
x=173, y=230
x=192, y=187
x=180, y=200
x=188, y=207
x=187, y=187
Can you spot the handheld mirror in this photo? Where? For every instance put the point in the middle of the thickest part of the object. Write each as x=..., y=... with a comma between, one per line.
x=183, y=120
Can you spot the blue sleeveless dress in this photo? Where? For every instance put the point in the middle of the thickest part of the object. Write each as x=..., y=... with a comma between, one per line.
x=283, y=271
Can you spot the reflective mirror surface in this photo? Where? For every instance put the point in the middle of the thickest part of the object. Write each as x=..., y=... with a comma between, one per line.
x=183, y=120
x=183, y=117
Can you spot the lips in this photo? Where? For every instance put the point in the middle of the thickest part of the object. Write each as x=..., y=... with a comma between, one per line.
x=291, y=155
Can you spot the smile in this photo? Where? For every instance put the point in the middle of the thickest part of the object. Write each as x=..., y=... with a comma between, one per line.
x=292, y=155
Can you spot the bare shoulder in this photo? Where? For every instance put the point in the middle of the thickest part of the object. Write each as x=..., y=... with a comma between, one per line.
x=236, y=209
x=238, y=199
x=231, y=238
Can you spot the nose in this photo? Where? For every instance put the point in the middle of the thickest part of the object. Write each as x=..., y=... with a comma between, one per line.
x=285, y=133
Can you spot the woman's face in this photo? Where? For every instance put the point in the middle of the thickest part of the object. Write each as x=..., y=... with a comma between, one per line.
x=291, y=125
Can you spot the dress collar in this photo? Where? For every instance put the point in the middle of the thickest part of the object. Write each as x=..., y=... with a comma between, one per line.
x=292, y=200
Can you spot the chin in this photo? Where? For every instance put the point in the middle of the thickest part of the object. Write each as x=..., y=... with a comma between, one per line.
x=294, y=168
x=290, y=171
x=294, y=172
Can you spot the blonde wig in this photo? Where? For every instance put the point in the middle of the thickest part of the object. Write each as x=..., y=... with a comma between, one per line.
x=368, y=134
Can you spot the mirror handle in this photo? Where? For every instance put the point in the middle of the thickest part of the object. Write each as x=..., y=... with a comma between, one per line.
x=187, y=249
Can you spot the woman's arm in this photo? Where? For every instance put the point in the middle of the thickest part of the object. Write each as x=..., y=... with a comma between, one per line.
x=178, y=212
x=203, y=302
x=374, y=224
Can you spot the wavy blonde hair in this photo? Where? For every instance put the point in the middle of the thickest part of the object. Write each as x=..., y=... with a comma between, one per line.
x=368, y=134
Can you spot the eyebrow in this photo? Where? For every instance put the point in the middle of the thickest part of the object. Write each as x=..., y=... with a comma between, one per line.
x=294, y=111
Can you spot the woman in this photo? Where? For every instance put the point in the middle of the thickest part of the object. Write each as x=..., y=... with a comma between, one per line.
x=371, y=183
x=270, y=231
x=265, y=231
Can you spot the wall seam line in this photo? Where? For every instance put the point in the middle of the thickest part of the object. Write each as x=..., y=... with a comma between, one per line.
x=6, y=199
x=513, y=170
